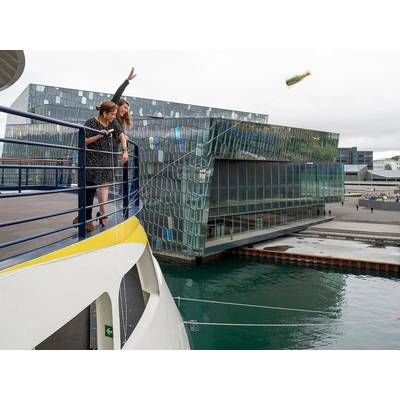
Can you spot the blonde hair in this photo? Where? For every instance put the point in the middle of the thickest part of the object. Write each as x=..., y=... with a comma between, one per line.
x=126, y=120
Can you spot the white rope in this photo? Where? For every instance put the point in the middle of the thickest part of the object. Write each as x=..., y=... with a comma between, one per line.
x=194, y=322
x=254, y=305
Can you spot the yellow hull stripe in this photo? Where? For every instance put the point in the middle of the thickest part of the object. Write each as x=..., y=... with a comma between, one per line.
x=129, y=231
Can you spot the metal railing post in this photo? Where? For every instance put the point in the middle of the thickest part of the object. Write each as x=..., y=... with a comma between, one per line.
x=125, y=191
x=57, y=178
x=136, y=175
x=69, y=174
x=82, y=184
x=19, y=179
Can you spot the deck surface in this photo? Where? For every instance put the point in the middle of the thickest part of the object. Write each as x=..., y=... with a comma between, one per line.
x=27, y=207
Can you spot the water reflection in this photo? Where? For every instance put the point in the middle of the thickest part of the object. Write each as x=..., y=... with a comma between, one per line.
x=241, y=280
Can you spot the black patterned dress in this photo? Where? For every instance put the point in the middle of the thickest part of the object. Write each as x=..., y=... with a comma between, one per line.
x=100, y=176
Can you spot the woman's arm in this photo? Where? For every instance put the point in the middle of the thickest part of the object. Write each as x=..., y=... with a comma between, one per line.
x=117, y=96
x=124, y=145
x=92, y=139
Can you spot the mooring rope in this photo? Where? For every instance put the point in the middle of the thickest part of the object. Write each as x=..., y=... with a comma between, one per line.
x=253, y=305
x=194, y=322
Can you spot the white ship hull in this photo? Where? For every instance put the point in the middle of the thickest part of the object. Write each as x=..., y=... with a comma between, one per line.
x=47, y=301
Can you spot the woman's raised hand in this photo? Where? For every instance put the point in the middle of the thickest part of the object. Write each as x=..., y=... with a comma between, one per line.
x=132, y=74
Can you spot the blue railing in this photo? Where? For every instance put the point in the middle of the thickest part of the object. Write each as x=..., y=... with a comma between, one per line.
x=126, y=190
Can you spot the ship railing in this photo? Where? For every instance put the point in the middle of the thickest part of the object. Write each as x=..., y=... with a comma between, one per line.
x=64, y=175
x=20, y=179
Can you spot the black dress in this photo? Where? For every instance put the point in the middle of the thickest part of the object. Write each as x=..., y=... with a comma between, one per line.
x=115, y=99
x=117, y=95
x=100, y=176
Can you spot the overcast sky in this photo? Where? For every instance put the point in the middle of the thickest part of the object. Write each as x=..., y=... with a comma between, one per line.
x=355, y=93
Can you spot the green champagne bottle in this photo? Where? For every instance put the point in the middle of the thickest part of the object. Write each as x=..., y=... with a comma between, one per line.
x=297, y=78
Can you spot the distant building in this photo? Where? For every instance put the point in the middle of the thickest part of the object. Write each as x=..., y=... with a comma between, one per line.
x=355, y=172
x=358, y=180
x=350, y=155
x=394, y=163
x=382, y=175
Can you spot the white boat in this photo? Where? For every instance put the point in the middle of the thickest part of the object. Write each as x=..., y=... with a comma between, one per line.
x=49, y=302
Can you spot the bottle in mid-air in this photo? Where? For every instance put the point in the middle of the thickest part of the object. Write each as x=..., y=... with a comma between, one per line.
x=297, y=78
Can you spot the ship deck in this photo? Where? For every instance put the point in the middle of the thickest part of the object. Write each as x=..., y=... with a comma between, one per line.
x=26, y=207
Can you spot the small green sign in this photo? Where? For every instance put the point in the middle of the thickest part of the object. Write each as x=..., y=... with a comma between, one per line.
x=108, y=331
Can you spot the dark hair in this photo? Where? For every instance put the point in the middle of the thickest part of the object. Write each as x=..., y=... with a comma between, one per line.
x=125, y=121
x=106, y=106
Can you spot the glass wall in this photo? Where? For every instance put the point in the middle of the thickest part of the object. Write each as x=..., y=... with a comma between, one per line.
x=243, y=193
x=218, y=227
x=175, y=173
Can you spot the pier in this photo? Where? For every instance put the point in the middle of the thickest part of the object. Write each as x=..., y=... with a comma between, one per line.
x=308, y=259
x=358, y=240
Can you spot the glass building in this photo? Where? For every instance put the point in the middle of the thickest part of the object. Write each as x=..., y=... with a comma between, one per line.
x=207, y=178
x=352, y=156
x=75, y=105
x=206, y=174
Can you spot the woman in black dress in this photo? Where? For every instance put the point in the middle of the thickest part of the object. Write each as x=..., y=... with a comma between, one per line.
x=107, y=112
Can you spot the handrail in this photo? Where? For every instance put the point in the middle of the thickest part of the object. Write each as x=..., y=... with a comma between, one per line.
x=49, y=120
x=129, y=182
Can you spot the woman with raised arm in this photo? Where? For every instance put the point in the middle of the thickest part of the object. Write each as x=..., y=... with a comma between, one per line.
x=123, y=117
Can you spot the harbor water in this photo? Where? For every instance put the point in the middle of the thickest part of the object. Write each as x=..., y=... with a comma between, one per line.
x=355, y=310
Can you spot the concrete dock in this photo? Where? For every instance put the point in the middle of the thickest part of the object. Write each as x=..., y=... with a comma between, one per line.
x=354, y=239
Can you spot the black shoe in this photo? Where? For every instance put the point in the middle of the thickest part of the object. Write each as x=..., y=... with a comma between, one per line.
x=102, y=221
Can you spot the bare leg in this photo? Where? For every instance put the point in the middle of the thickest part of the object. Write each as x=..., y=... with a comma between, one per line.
x=102, y=196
